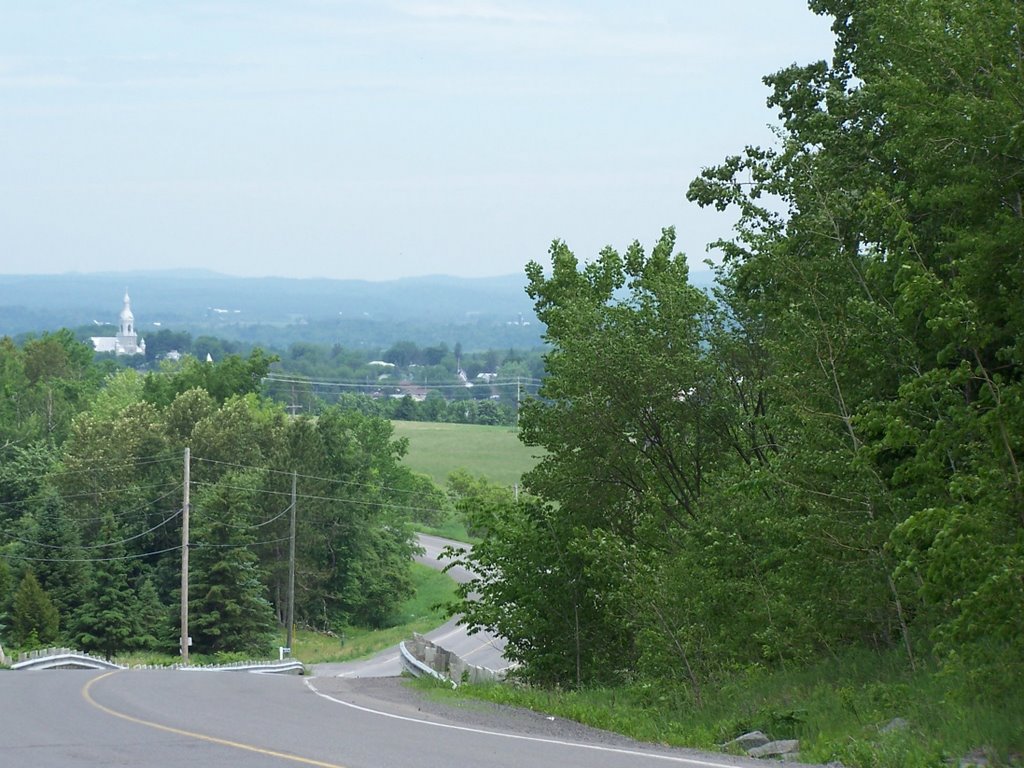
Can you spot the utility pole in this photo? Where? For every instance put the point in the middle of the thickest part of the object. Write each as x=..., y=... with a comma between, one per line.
x=184, y=565
x=517, y=402
x=291, y=569
x=293, y=408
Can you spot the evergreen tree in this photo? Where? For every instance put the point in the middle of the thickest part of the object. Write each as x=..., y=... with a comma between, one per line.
x=34, y=620
x=108, y=620
x=154, y=632
x=228, y=608
x=53, y=543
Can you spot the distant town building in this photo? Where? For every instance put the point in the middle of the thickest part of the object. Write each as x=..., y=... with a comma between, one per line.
x=127, y=341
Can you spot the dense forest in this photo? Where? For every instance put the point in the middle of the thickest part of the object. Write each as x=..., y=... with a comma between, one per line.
x=825, y=454
x=91, y=495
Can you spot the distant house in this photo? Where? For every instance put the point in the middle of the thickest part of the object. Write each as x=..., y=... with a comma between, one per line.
x=126, y=342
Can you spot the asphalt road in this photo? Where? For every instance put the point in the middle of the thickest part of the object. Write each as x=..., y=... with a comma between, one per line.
x=68, y=719
x=347, y=716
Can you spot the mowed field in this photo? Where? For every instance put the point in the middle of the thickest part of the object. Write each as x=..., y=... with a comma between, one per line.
x=439, y=449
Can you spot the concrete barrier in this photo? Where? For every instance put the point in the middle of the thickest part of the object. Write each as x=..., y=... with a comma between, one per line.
x=420, y=656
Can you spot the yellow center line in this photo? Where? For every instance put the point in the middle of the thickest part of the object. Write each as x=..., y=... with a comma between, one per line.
x=87, y=695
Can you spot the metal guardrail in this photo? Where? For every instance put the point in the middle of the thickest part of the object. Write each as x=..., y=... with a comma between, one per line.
x=61, y=658
x=292, y=667
x=68, y=658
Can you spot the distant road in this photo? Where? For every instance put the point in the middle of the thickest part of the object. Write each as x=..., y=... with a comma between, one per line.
x=482, y=649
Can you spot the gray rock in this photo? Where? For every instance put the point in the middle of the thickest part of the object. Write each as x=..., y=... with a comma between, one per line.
x=749, y=740
x=976, y=758
x=775, y=748
x=896, y=724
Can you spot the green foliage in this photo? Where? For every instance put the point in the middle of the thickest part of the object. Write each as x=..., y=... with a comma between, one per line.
x=108, y=619
x=95, y=508
x=35, y=622
x=227, y=377
x=827, y=455
x=228, y=608
x=43, y=384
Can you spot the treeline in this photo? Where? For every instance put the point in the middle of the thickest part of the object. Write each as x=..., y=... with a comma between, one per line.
x=404, y=381
x=826, y=454
x=436, y=364
x=435, y=407
x=91, y=494
x=410, y=383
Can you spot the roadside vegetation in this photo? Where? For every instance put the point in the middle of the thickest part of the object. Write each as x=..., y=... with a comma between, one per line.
x=815, y=470
x=862, y=709
x=423, y=611
x=794, y=504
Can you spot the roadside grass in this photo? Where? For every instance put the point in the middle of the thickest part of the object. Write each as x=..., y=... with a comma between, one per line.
x=437, y=450
x=420, y=613
x=838, y=708
x=417, y=614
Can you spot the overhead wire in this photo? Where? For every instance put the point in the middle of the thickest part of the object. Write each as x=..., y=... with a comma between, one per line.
x=137, y=556
x=309, y=477
x=44, y=545
x=175, y=488
x=312, y=497
x=138, y=462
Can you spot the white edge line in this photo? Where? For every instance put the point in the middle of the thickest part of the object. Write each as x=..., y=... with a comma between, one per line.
x=520, y=737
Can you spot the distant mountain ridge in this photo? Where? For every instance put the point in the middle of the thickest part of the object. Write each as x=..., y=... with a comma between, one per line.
x=495, y=311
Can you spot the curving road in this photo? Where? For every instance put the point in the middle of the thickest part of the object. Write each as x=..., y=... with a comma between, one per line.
x=73, y=719
x=343, y=718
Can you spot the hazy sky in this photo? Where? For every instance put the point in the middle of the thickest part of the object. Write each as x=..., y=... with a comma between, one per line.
x=372, y=140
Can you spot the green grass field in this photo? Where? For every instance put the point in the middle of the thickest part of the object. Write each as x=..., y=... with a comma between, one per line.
x=438, y=450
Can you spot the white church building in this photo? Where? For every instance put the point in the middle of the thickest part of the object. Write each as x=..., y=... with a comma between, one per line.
x=126, y=342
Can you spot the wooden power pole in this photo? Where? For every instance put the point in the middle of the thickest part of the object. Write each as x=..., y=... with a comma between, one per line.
x=184, y=565
x=291, y=570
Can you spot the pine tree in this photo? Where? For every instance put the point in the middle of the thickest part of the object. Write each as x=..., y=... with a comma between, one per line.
x=34, y=619
x=56, y=549
x=228, y=608
x=108, y=619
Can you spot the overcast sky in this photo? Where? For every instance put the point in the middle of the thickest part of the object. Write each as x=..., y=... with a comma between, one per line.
x=372, y=140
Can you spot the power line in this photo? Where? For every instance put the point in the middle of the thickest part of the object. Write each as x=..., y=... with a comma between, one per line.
x=201, y=545
x=268, y=521
x=318, y=498
x=117, y=515
x=310, y=477
x=95, y=546
x=9, y=556
x=100, y=465
x=100, y=492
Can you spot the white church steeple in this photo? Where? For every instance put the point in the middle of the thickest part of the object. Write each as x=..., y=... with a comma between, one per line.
x=126, y=342
x=127, y=318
